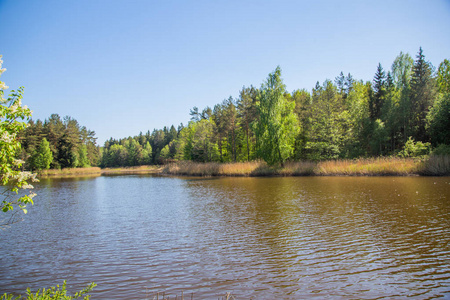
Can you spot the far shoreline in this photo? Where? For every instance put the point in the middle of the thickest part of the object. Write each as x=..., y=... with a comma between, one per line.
x=392, y=166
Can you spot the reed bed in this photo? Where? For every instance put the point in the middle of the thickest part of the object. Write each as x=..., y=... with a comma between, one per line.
x=146, y=169
x=239, y=169
x=70, y=172
x=192, y=169
x=389, y=166
x=298, y=168
x=436, y=165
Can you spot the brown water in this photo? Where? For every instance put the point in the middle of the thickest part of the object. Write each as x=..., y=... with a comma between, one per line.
x=258, y=238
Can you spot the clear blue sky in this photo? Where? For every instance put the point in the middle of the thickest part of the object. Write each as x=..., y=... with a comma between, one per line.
x=121, y=67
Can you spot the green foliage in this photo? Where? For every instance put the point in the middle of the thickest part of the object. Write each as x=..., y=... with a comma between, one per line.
x=42, y=157
x=199, y=145
x=70, y=144
x=415, y=149
x=246, y=105
x=443, y=78
x=165, y=152
x=423, y=93
x=379, y=137
x=348, y=119
x=52, y=293
x=328, y=123
x=67, y=154
x=402, y=70
x=442, y=149
x=378, y=97
x=83, y=160
x=439, y=120
x=12, y=116
x=277, y=126
x=145, y=155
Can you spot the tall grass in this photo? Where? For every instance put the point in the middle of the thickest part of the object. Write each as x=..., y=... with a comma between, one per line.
x=436, y=165
x=369, y=167
x=146, y=169
x=392, y=166
x=70, y=172
x=192, y=169
x=95, y=171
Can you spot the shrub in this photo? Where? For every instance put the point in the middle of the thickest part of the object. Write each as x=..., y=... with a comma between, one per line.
x=442, y=149
x=52, y=293
x=415, y=149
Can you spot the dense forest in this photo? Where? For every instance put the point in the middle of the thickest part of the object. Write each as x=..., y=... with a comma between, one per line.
x=404, y=111
x=58, y=143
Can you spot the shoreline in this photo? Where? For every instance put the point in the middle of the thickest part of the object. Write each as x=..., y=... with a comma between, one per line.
x=432, y=166
x=96, y=171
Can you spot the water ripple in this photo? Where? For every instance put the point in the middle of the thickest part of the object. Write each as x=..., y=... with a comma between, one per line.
x=286, y=238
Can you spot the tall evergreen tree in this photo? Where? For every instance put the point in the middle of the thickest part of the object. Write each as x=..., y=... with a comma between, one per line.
x=378, y=97
x=423, y=92
x=340, y=82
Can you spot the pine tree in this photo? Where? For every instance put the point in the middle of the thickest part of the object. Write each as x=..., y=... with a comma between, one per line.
x=378, y=97
x=423, y=91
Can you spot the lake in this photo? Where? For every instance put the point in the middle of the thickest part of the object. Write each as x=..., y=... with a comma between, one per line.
x=258, y=238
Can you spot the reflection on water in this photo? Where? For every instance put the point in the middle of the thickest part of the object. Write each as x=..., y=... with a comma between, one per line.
x=286, y=238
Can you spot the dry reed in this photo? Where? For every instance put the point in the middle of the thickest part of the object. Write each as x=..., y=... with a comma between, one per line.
x=146, y=169
x=298, y=168
x=381, y=166
x=436, y=165
x=392, y=166
x=70, y=172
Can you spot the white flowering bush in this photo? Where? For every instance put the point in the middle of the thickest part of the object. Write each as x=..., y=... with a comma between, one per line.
x=13, y=119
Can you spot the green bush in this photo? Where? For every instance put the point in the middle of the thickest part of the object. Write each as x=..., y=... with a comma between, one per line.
x=442, y=149
x=415, y=149
x=52, y=293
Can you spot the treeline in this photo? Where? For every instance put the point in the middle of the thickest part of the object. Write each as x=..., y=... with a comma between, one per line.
x=144, y=149
x=404, y=111
x=58, y=143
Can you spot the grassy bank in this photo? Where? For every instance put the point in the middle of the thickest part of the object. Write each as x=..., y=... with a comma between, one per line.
x=131, y=170
x=432, y=166
x=68, y=172
x=438, y=165
x=95, y=171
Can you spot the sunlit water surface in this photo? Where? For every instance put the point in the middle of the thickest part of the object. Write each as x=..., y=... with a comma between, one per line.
x=258, y=238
